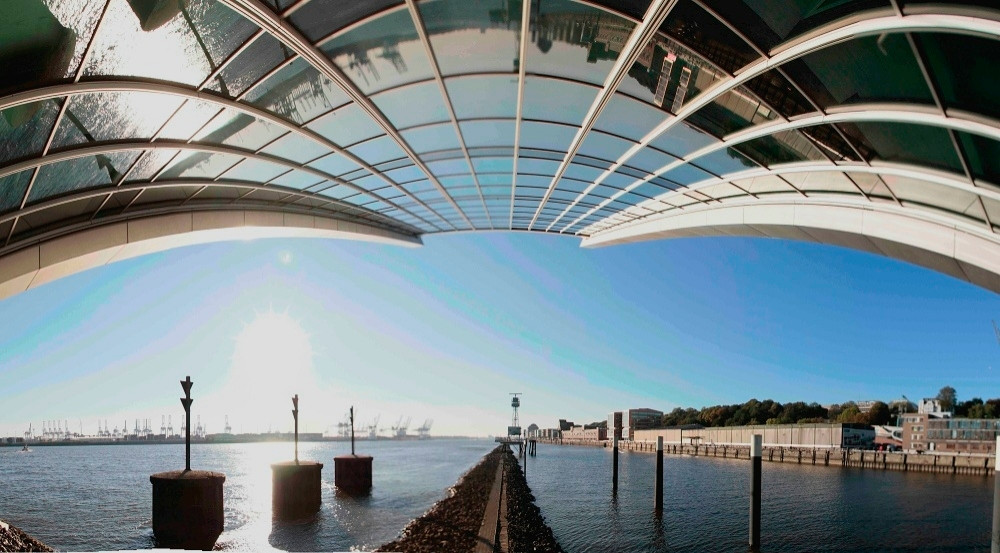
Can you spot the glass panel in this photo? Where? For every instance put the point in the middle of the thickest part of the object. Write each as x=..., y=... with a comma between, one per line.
x=485, y=96
x=432, y=138
x=650, y=160
x=983, y=156
x=188, y=40
x=963, y=81
x=770, y=22
x=546, y=135
x=575, y=40
x=12, y=188
x=320, y=18
x=240, y=130
x=78, y=174
x=192, y=116
x=556, y=100
x=686, y=175
x=929, y=194
x=493, y=165
x=406, y=174
x=774, y=89
x=691, y=24
x=113, y=116
x=296, y=148
x=25, y=129
x=724, y=162
x=254, y=170
x=905, y=143
x=582, y=172
x=604, y=146
x=378, y=150
x=629, y=118
x=297, y=179
x=150, y=164
x=829, y=141
x=537, y=166
x=682, y=139
x=348, y=125
x=253, y=63
x=381, y=53
x=734, y=111
x=473, y=36
x=297, y=92
x=668, y=75
x=334, y=164
x=488, y=133
x=199, y=165
x=783, y=147
x=398, y=105
x=43, y=42
x=448, y=167
x=868, y=69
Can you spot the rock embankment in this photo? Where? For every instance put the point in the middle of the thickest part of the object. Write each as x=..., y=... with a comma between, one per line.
x=453, y=523
x=526, y=528
x=13, y=538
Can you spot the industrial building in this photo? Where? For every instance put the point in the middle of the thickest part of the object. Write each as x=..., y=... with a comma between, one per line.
x=819, y=435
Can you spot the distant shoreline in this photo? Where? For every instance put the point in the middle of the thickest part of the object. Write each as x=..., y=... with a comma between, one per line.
x=234, y=439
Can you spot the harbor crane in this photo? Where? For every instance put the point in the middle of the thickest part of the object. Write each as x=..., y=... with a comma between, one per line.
x=399, y=431
x=373, y=429
x=424, y=431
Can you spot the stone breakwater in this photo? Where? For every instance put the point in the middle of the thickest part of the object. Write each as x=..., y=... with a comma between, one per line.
x=453, y=523
x=13, y=538
x=526, y=528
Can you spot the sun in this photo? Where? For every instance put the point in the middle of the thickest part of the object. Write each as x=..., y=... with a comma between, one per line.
x=272, y=359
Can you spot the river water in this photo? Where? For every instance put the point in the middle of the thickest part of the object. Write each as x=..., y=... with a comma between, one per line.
x=98, y=498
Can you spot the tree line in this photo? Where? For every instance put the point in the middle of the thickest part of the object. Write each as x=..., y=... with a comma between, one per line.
x=772, y=412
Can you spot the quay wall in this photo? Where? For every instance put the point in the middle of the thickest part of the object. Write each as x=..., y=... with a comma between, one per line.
x=944, y=463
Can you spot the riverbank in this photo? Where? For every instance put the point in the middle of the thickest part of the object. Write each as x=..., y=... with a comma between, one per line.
x=13, y=538
x=941, y=463
x=525, y=527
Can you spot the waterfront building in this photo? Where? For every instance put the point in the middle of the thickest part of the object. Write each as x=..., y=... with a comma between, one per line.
x=932, y=407
x=816, y=435
x=595, y=434
x=922, y=432
x=640, y=419
x=132, y=127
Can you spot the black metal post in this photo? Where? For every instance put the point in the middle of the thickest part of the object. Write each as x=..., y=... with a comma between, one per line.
x=756, y=448
x=295, y=415
x=659, y=474
x=186, y=402
x=352, y=430
x=614, y=465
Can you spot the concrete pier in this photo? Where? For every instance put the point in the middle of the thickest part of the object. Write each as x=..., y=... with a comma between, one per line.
x=187, y=508
x=352, y=474
x=756, y=449
x=296, y=489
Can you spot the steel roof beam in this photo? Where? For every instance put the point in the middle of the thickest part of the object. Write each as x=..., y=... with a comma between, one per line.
x=637, y=40
x=266, y=19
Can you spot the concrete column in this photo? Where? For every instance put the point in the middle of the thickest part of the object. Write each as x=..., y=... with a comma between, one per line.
x=296, y=489
x=352, y=474
x=659, y=475
x=614, y=466
x=187, y=509
x=755, y=457
x=995, y=540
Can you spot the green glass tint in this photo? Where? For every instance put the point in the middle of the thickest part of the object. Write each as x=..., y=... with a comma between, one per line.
x=983, y=156
x=905, y=143
x=263, y=55
x=963, y=79
x=782, y=147
x=667, y=74
x=734, y=111
x=12, y=188
x=869, y=69
x=694, y=26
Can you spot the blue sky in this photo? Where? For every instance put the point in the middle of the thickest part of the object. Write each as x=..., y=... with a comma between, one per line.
x=445, y=331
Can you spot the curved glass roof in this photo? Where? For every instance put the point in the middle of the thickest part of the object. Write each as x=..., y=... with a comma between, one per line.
x=561, y=116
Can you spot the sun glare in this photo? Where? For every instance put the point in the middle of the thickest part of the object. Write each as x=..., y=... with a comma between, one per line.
x=272, y=358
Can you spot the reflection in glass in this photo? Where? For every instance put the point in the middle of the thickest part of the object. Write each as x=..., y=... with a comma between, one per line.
x=905, y=143
x=668, y=74
x=736, y=110
x=199, y=165
x=473, y=36
x=692, y=25
x=182, y=42
x=81, y=173
x=382, y=53
x=297, y=92
x=108, y=116
x=398, y=105
x=574, y=40
x=24, y=129
x=12, y=188
x=484, y=96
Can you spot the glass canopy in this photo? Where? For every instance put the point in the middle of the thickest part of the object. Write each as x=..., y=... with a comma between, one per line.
x=558, y=116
